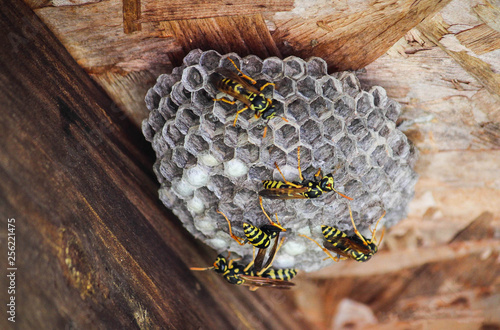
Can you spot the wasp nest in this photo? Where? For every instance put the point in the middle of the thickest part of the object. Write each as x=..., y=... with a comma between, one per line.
x=205, y=164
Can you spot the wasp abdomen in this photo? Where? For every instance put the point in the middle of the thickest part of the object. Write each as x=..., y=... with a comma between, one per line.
x=256, y=236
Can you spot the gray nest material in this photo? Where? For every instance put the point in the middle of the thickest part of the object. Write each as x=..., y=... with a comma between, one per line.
x=204, y=164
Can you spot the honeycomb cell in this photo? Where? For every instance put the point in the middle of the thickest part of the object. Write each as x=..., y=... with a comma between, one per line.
x=182, y=158
x=399, y=144
x=226, y=63
x=379, y=156
x=220, y=150
x=159, y=145
x=298, y=111
x=172, y=135
x=393, y=110
x=195, y=144
x=272, y=154
x=332, y=126
x=273, y=68
x=235, y=168
x=364, y=103
x=167, y=197
x=196, y=176
x=225, y=111
x=156, y=121
x=321, y=108
x=258, y=172
x=345, y=107
x=210, y=60
x=306, y=87
x=247, y=153
x=185, y=119
x=316, y=67
x=353, y=189
x=371, y=179
x=391, y=168
x=255, y=134
x=194, y=77
x=357, y=127
x=295, y=67
x=347, y=146
x=147, y=130
x=379, y=96
x=243, y=197
x=231, y=135
x=252, y=65
x=167, y=108
x=284, y=88
x=206, y=196
x=310, y=133
x=210, y=126
x=359, y=165
x=350, y=84
x=182, y=188
x=323, y=155
x=286, y=136
x=203, y=100
x=222, y=187
x=305, y=157
x=164, y=84
x=193, y=57
x=331, y=87
x=167, y=167
x=152, y=99
x=375, y=120
x=385, y=130
x=366, y=141
x=179, y=94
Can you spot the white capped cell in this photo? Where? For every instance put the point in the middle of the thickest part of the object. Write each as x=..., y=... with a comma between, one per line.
x=197, y=176
x=235, y=168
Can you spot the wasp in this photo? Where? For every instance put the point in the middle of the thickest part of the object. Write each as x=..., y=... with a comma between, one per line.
x=260, y=238
x=303, y=189
x=356, y=247
x=241, y=88
x=236, y=274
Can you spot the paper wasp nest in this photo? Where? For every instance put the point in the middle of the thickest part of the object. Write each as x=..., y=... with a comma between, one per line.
x=205, y=164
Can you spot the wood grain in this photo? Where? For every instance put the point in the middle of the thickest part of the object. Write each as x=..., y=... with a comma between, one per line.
x=96, y=249
x=168, y=10
x=244, y=35
x=353, y=37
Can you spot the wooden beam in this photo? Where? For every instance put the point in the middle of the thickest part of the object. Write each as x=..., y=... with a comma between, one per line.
x=95, y=247
x=168, y=10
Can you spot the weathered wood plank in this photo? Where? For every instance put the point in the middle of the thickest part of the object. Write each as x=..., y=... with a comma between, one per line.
x=349, y=38
x=96, y=249
x=244, y=35
x=168, y=10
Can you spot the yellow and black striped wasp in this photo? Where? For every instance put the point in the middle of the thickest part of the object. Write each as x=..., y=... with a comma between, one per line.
x=356, y=247
x=297, y=190
x=260, y=238
x=241, y=87
x=236, y=274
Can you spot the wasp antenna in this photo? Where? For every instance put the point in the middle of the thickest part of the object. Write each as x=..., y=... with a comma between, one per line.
x=346, y=197
x=354, y=226
x=336, y=259
x=201, y=269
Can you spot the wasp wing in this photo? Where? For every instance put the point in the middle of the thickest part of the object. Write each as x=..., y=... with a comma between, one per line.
x=284, y=193
x=257, y=281
x=345, y=244
x=234, y=76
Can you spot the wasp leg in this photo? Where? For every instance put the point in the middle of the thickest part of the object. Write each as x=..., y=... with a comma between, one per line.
x=250, y=264
x=319, y=175
x=336, y=259
x=375, y=230
x=265, y=85
x=298, y=164
x=267, y=216
x=354, y=226
x=201, y=269
x=240, y=240
x=285, y=180
x=238, y=113
x=223, y=99
x=242, y=75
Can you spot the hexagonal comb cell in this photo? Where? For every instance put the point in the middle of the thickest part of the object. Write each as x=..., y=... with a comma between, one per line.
x=206, y=164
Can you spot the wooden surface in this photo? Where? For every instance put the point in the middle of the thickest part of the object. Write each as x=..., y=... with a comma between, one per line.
x=95, y=247
x=439, y=59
